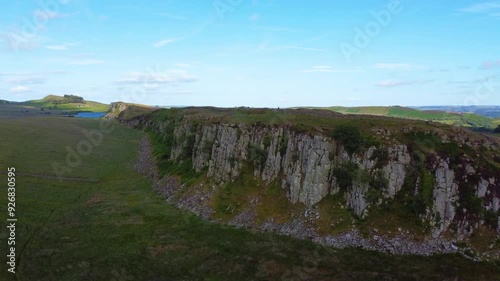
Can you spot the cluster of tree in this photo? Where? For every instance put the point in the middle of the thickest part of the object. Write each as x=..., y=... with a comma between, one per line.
x=497, y=130
x=69, y=99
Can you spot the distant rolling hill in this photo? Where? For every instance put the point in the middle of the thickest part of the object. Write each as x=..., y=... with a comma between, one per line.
x=452, y=118
x=483, y=110
x=53, y=102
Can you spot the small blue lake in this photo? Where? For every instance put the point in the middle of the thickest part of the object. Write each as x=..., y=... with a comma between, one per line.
x=90, y=114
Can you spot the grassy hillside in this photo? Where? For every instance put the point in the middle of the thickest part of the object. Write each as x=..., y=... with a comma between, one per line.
x=48, y=103
x=116, y=227
x=466, y=119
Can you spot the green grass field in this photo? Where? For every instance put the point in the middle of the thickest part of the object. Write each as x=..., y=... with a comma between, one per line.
x=465, y=120
x=118, y=228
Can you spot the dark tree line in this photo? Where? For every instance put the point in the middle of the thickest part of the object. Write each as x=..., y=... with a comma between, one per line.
x=69, y=99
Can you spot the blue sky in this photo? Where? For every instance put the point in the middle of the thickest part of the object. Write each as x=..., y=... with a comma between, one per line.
x=271, y=53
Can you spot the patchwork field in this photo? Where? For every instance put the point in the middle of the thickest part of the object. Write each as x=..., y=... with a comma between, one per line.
x=103, y=221
x=450, y=118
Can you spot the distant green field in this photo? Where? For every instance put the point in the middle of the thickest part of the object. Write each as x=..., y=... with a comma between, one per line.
x=118, y=228
x=47, y=103
x=466, y=119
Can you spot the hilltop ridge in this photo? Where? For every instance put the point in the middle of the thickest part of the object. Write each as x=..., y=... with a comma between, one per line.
x=55, y=102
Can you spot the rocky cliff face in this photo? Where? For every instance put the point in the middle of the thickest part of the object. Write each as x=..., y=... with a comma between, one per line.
x=122, y=111
x=453, y=193
x=115, y=108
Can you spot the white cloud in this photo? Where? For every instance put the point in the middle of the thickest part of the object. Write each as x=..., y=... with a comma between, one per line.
x=164, y=42
x=488, y=8
x=302, y=48
x=15, y=40
x=62, y=47
x=19, y=89
x=490, y=64
x=320, y=68
x=27, y=79
x=83, y=55
x=57, y=47
x=87, y=62
x=46, y=15
x=390, y=83
x=394, y=66
x=254, y=17
x=175, y=92
x=329, y=69
x=276, y=28
x=482, y=7
x=183, y=65
x=172, y=16
x=396, y=83
x=150, y=79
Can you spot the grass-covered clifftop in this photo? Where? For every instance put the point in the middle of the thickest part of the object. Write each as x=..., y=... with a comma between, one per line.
x=333, y=172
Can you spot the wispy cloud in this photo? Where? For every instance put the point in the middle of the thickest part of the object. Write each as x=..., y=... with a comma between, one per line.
x=458, y=82
x=490, y=64
x=87, y=62
x=320, y=68
x=254, y=17
x=82, y=55
x=19, y=89
x=302, y=48
x=27, y=79
x=172, y=16
x=37, y=73
x=15, y=40
x=394, y=66
x=397, y=83
x=167, y=77
x=330, y=69
x=164, y=42
x=62, y=47
x=57, y=47
x=183, y=65
x=46, y=14
x=173, y=92
x=276, y=28
x=488, y=8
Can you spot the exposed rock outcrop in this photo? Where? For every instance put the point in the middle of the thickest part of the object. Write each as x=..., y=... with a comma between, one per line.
x=311, y=166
